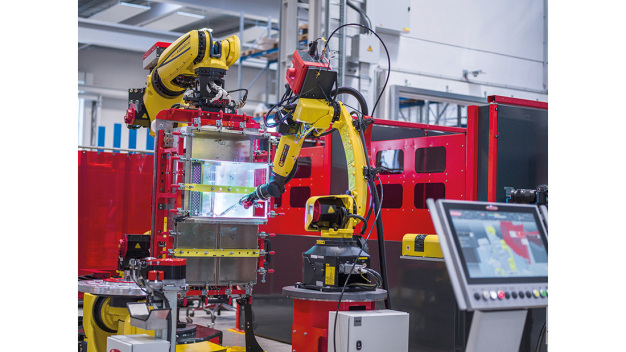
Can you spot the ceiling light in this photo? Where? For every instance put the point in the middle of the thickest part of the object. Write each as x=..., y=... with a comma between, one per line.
x=120, y=12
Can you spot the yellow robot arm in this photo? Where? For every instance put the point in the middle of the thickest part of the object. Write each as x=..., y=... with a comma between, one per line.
x=191, y=69
x=315, y=116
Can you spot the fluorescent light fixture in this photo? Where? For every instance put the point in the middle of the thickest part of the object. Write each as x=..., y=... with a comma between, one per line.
x=120, y=12
x=173, y=21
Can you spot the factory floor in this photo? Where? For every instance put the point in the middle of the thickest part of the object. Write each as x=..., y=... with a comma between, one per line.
x=223, y=322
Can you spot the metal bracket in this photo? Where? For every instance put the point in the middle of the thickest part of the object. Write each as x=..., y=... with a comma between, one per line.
x=231, y=253
x=215, y=188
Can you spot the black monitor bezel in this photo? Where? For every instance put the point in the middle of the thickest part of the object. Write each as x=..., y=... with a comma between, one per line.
x=447, y=206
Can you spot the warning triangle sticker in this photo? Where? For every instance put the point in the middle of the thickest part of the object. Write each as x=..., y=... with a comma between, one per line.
x=331, y=210
x=137, y=246
x=370, y=49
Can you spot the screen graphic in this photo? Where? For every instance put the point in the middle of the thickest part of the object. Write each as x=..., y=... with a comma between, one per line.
x=499, y=244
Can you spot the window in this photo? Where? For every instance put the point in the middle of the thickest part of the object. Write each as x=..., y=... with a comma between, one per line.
x=431, y=159
x=391, y=159
x=424, y=191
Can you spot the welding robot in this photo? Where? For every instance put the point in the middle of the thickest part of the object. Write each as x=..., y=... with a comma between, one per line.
x=309, y=109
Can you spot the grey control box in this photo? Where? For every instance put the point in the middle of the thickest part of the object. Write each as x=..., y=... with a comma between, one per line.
x=368, y=331
x=136, y=343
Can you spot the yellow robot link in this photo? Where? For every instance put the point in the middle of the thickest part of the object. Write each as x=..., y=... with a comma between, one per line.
x=333, y=216
x=190, y=70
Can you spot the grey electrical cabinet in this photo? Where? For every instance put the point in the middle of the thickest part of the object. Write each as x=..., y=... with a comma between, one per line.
x=391, y=17
x=369, y=331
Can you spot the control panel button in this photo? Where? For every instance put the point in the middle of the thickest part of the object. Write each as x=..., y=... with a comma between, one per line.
x=501, y=294
x=485, y=295
x=507, y=295
x=529, y=294
x=477, y=296
x=536, y=293
x=514, y=294
x=521, y=294
x=493, y=294
x=544, y=293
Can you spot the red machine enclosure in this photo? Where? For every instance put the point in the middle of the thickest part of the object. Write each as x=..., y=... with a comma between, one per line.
x=301, y=62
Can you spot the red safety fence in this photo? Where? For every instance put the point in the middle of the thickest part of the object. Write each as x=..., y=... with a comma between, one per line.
x=113, y=198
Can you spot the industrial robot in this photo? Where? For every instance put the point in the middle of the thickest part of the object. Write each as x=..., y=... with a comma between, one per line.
x=141, y=307
x=310, y=109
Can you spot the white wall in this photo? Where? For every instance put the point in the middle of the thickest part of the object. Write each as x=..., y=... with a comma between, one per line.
x=503, y=38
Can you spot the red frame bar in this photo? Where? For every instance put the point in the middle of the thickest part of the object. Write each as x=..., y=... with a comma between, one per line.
x=421, y=126
x=208, y=118
x=472, y=153
x=492, y=167
x=517, y=102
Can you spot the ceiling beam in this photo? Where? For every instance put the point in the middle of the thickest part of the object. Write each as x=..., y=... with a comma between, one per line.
x=121, y=36
x=253, y=9
x=131, y=38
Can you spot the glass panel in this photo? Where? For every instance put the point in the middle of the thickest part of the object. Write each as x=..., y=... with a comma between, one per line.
x=424, y=191
x=223, y=184
x=391, y=159
x=431, y=159
x=298, y=196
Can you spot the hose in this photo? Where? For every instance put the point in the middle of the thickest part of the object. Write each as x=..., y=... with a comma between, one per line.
x=379, y=221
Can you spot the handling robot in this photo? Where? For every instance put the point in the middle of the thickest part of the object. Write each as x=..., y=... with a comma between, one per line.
x=188, y=73
x=141, y=308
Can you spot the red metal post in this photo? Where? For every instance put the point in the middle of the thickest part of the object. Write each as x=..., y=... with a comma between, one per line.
x=310, y=327
x=471, y=180
x=492, y=168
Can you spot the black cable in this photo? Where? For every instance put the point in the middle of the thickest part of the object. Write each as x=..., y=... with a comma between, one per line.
x=354, y=93
x=343, y=289
x=364, y=16
x=386, y=51
x=287, y=96
x=356, y=216
x=379, y=224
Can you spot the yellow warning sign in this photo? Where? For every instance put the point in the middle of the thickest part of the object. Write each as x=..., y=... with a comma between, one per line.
x=137, y=246
x=370, y=49
x=329, y=278
x=331, y=210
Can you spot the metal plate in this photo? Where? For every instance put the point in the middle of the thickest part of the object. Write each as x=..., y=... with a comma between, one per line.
x=218, y=271
x=220, y=146
x=108, y=288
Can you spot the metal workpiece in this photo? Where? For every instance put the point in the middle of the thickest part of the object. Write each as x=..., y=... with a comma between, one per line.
x=111, y=288
x=213, y=251
x=313, y=295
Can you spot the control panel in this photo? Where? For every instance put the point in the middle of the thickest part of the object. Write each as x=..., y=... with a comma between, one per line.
x=496, y=254
x=508, y=297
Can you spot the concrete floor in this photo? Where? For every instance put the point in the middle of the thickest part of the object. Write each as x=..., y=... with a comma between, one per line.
x=223, y=322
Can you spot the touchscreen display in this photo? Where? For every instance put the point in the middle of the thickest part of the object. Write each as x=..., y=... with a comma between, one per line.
x=499, y=244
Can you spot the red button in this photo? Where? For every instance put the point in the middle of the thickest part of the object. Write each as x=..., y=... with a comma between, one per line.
x=501, y=294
